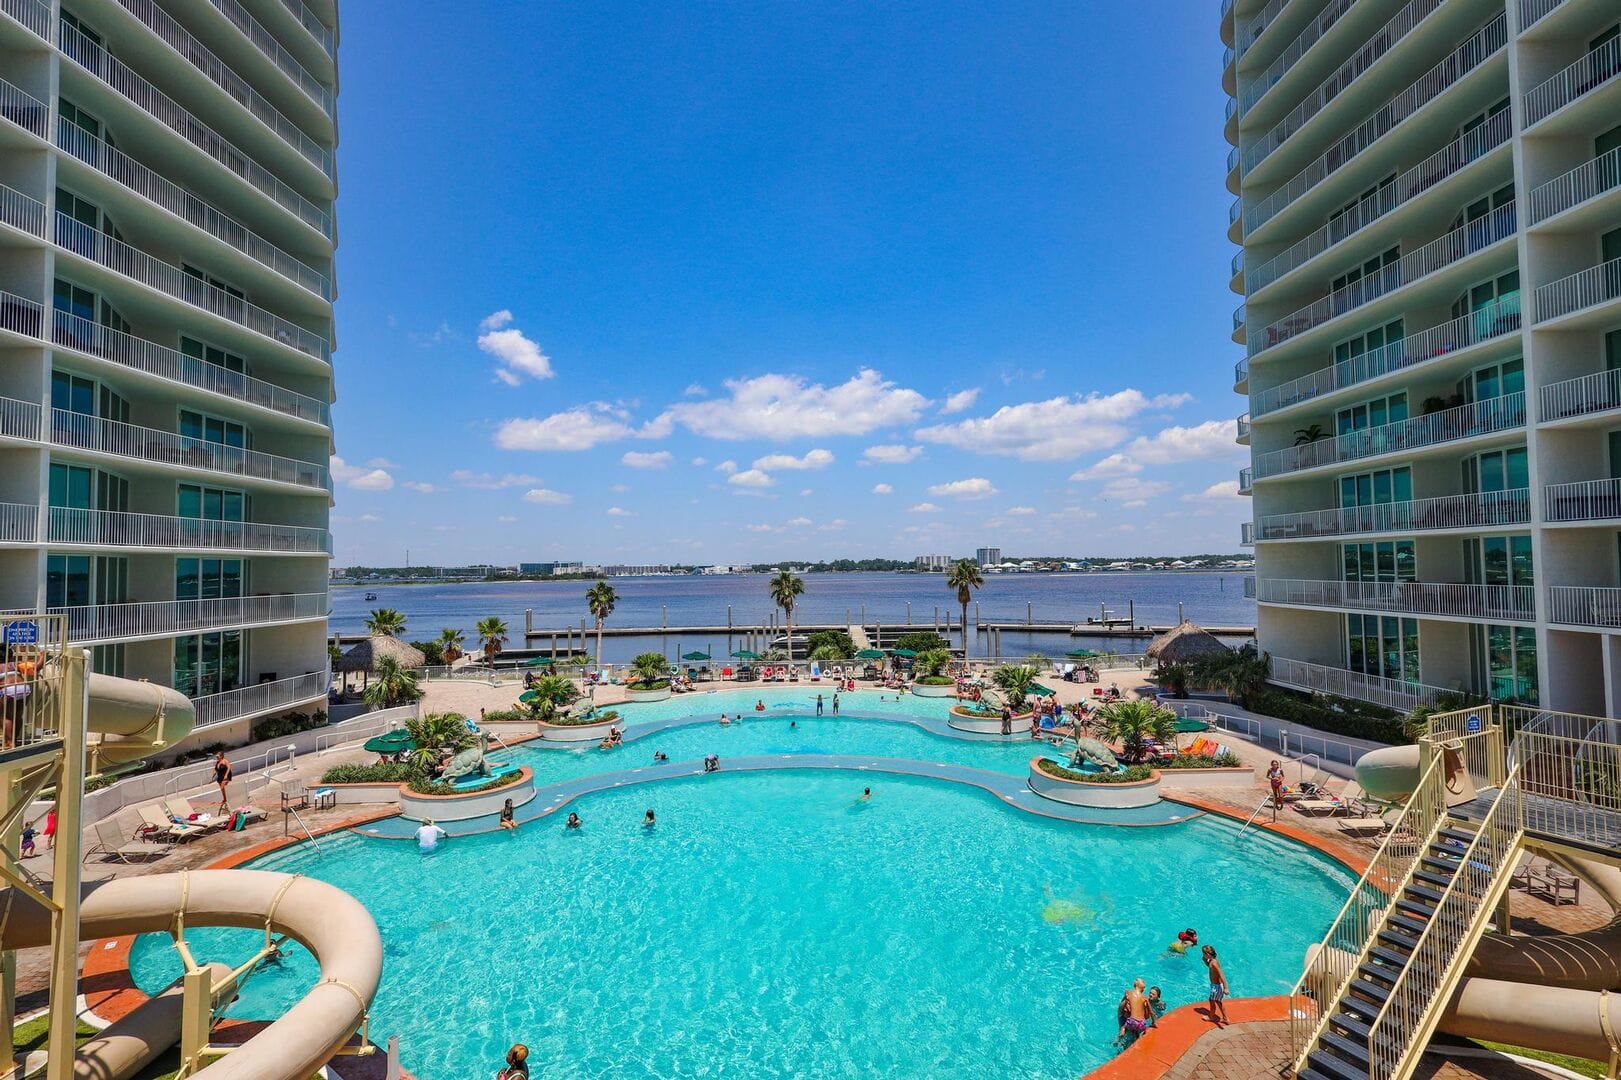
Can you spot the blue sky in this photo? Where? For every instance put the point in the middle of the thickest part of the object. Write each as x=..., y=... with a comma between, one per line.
x=724, y=283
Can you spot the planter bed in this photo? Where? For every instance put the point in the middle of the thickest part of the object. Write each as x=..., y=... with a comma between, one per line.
x=949, y=690
x=459, y=806
x=1102, y=796
x=660, y=694
x=595, y=731
x=989, y=725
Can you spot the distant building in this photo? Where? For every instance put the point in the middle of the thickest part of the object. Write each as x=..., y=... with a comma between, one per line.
x=622, y=570
x=987, y=556
x=933, y=562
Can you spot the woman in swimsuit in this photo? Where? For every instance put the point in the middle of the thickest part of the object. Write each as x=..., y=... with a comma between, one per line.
x=507, y=820
x=222, y=776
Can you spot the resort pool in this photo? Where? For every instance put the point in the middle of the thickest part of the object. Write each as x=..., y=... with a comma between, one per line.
x=773, y=924
x=801, y=698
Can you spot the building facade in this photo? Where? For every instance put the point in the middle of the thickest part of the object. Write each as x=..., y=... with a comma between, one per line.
x=166, y=255
x=987, y=556
x=933, y=562
x=1428, y=200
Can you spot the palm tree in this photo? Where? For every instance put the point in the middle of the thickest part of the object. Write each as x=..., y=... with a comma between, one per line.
x=601, y=598
x=385, y=622
x=435, y=732
x=395, y=684
x=451, y=641
x=933, y=661
x=1133, y=723
x=965, y=577
x=651, y=668
x=551, y=691
x=1240, y=674
x=493, y=633
x=1015, y=681
x=786, y=589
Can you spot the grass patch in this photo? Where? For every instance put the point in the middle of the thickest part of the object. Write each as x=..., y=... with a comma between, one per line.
x=424, y=786
x=570, y=720
x=1580, y=1066
x=32, y=1035
x=935, y=680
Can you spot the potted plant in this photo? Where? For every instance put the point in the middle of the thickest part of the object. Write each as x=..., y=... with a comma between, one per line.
x=650, y=680
x=1133, y=723
x=932, y=681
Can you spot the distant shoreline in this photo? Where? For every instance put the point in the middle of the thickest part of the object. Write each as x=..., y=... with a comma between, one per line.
x=392, y=583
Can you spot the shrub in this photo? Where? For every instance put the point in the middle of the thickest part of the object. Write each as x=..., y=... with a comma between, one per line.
x=1129, y=775
x=656, y=684
x=581, y=721
x=377, y=772
x=935, y=680
x=1334, y=715
x=1229, y=760
x=831, y=644
x=423, y=786
x=921, y=641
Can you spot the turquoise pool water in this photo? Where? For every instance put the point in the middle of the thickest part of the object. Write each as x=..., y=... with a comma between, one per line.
x=775, y=925
x=785, y=698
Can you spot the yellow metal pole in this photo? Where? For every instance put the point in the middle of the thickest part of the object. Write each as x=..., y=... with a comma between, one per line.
x=75, y=706
x=8, y=960
x=196, y=1017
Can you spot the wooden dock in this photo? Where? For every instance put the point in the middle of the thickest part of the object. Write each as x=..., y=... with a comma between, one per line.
x=888, y=630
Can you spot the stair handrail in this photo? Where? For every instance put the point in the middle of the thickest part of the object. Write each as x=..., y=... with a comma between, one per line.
x=1425, y=984
x=1346, y=945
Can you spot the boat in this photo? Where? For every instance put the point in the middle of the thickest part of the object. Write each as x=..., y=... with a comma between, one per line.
x=371, y=596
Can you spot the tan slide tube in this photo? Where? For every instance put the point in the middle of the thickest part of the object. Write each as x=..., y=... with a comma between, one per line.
x=126, y=1046
x=133, y=719
x=1551, y=1018
x=334, y=926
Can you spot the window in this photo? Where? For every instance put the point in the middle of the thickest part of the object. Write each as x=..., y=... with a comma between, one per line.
x=67, y=580
x=1483, y=235
x=1609, y=246
x=72, y=300
x=1371, y=414
x=212, y=429
x=1478, y=121
x=112, y=579
x=108, y=659
x=76, y=116
x=1612, y=350
x=213, y=355
x=1505, y=661
x=1367, y=206
x=1385, y=561
x=1383, y=646
x=73, y=20
x=1374, y=276
x=1497, y=470
x=1493, y=381
x=71, y=486
x=1498, y=560
x=211, y=504
x=1363, y=356
x=1376, y=488
x=73, y=393
x=208, y=663
x=82, y=210
x=207, y=579
x=112, y=492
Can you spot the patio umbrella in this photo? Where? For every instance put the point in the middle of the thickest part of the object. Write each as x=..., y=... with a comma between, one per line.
x=1080, y=654
x=869, y=654
x=908, y=653
x=390, y=742
x=746, y=654
x=695, y=656
x=1041, y=691
x=1096, y=752
x=540, y=661
x=529, y=697
x=1187, y=643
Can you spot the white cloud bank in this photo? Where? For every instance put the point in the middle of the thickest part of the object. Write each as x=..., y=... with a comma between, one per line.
x=780, y=407
x=360, y=478
x=1051, y=430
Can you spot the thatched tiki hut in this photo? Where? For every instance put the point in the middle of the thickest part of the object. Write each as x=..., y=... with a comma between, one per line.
x=1186, y=643
x=364, y=657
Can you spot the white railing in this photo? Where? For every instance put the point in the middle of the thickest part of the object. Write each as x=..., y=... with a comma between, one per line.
x=20, y=315
x=23, y=109
x=1464, y=59
x=159, y=618
x=1243, y=425
x=1445, y=162
x=22, y=212
x=1481, y=511
x=1460, y=243
x=1246, y=479
x=1249, y=588
x=1241, y=371
x=313, y=24
x=1584, y=500
x=1246, y=533
x=1582, y=605
x=1492, y=321
x=229, y=705
x=266, y=42
x=115, y=255
x=183, y=204
x=1251, y=29
x=1371, y=52
x=1513, y=603
x=112, y=528
x=1598, y=392
x=178, y=38
x=1584, y=182
x=19, y=523
x=19, y=419
x=98, y=62
x=1342, y=682
x=1595, y=285
x=1590, y=72
x=34, y=14
x=1292, y=53
x=100, y=436
x=1464, y=422
x=1532, y=11
x=82, y=335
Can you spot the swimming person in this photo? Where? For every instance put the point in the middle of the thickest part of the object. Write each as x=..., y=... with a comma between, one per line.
x=1139, y=1015
x=660, y=755
x=429, y=835
x=759, y=706
x=1156, y=1002
x=792, y=724
x=574, y=821
x=648, y=821
x=507, y=819
x=711, y=763
x=818, y=704
x=222, y=776
x=1218, y=987
x=517, y=1064
x=866, y=793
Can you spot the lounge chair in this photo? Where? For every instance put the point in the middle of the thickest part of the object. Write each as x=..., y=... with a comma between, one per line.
x=111, y=844
x=181, y=808
x=156, y=825
x=236, y=798
x=1370, y=827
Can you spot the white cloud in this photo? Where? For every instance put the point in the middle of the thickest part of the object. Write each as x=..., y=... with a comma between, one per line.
x=882, y=489
x=1020, y=511
x=381, y=463
x=832, y=526
x=637, y=459
x=780, y=407
x=961, y=401
x=495, y=320
x=1173, y=445
x=1132, y=488
x=1113, y=465
x=369, y=519
x=799, y=522
x=1060, y=427
x=419, y=486
x=1220, y=491
x=357, y=477
x=805, y=493
x=751, y=478
x=728, y=466
x=699, y=462
x=695, y=390
x=813, y=459
x=975, y=487
x=547, y=496
x=925, y=508
x=519, y=354
x=507, y=519
x=618, y=489
x=489, y=482
x=891, y=454
x=579, y=428
x=620, y=511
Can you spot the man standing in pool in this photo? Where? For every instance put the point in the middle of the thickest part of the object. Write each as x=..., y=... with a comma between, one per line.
x=429, y=835
x=835, y=703
x=818, y=704
x=574, y=821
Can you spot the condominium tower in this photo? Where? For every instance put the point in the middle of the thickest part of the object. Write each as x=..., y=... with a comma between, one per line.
x=166, y=252
x=1429, y=206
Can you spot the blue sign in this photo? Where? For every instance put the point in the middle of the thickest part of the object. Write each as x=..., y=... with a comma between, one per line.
x=22, y=633
x=1472, y=725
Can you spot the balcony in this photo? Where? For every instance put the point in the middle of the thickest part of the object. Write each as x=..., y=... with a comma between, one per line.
x=1532, y=11
x=312, y=24
x=1243, y=425
x=1292, y=53
x=178, y=38
x=245, y=701
x=1494, y=603
x=1597, y=285
x=109, y=528
x=1241, y=375
x=19, y=523
x=21, y=212
x=1595, y=69
x=94, y=623
x=1455, y=246
x=1582, y=396
x=1487, y=324
x=1246, y=534
x=119, y=257
x=96, y=436
x=1466, y=58
x=1246, y=481
x=1249, y=588
x=1585, y=500
x=1342, y=682
x=1439, y=166
x=1489, y=417
x=149, y=99
x=19, y=420
x=1486, y=510
x=276, y=53
x=164, y=193
x=34, y=14
x=1251, y=29
x=23, y=109
x=1581, y=184
x=1581, y=605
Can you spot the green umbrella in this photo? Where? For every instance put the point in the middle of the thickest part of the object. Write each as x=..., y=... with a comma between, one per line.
x=869, y=654
x=390, y=742
x=1080, y=654
x=746, y=654
x=1041, y=691
x=1185, y=724
x=908, y=653
x=541, y=661
x=529, y=697
x=695, y=656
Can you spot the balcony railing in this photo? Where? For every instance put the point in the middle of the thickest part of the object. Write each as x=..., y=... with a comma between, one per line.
x=1243, y=424
x=1252, y=28
x=1341, y=682
x=266, y=42
x=19, y=523
x=1464, y=59
x=1596, y=285
x=1532, y=11
x=20, y=315
x=316, y=28
x=1240, y=317
x=1440, y=165
x=228, y=705
x=23, y=109
x=1485, y=510
x=110, y=622
x=1246, y=533
x=33, y=14
x=1513, y=603
x=1438, y=254
x=1581, y=605
x=1241, y=371
x=98, y=62
x=1246, y=480
x=100, y=436
x=1590, y=72
x=19, y=419
x=138, y=354
x=1249, y=588
x=1371, y=52
x=1492, y=321
x=1292, y=53
x=109, y=528
x=22, y=212
x=1585, y=500
x=183, y=204
x=1464, y=422
x=1577, y=186
x=1237, y=264
x=115, y=255
x=178, y=38
x=1599, y=392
